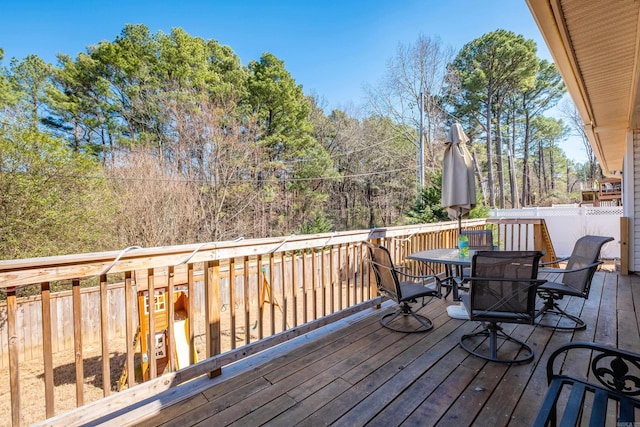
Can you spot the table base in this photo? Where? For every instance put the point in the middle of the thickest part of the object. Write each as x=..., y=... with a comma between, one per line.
x=458, y=312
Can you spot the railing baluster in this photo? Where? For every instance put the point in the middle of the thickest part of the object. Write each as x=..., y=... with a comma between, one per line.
x=128, y=307
x=77, y=341
x=314, y=282
x=305, y=290
x=191, y=293
x=513, y=232
x=519, y=235
x=364, y=273
x=272, y=293
x=247, y=306
x=323, y=279
x=347, y=275
x=294, y=288
x=340, y=275
x=47, y=349
x=354, y=273
x=212, y=313
x=104, y=333
x=173, y=364
x=283, y=269
x=357, y=268
x=232, y=301
x=14, y=355
x=151, y=344
x=261, y=298
x=332, y=273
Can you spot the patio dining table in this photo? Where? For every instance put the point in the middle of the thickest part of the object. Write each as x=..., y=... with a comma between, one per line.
x=454, y=263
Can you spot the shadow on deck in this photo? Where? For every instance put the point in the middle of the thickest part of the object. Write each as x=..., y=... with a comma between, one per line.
x=359, y=373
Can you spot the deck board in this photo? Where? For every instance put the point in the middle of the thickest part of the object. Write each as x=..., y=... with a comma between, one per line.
x=368, y=375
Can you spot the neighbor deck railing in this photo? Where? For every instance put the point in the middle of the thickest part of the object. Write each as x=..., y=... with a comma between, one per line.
x=244, y=296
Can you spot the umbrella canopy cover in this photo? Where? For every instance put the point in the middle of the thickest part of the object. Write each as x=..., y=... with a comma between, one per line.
x=458, y=181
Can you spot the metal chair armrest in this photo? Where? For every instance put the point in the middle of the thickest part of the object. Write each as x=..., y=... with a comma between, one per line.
x=562, y=270
x=554, y=261
x=536, y=282
x=423, y=277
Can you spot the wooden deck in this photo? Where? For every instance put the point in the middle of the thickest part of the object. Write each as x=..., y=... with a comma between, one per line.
x=364, y=374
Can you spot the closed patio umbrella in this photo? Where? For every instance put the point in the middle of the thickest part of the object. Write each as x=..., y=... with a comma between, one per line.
x=458, y=188
x=458, y=182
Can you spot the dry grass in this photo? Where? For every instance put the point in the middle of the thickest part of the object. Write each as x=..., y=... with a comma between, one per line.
x=32, y=391
x=32, y=397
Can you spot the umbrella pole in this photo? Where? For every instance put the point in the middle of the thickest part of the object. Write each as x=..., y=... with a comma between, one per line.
x=459, y=220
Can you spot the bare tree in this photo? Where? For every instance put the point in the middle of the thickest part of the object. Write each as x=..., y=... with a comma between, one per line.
x=202, y=187
x=576, y=127
x=156, y=205
x=415, y=75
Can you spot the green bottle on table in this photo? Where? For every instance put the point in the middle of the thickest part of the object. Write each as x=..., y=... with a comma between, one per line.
x=463, y=245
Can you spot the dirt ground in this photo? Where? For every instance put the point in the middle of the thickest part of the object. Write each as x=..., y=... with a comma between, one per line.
x=32, y=393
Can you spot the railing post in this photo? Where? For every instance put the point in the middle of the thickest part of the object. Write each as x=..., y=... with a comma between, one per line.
x=372, y=280
x=212, y=311
x=624, y=246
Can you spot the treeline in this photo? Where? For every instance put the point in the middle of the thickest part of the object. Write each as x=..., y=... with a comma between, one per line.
x=162, y=139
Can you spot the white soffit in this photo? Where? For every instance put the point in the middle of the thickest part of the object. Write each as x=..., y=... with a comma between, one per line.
x=594, y=43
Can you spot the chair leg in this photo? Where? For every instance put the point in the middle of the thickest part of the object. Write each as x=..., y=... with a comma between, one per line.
x=552, y=308
x=404, y=310
x=493, y=332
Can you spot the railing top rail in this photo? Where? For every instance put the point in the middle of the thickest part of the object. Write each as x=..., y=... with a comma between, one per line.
x=515, y=220
x=24, y=272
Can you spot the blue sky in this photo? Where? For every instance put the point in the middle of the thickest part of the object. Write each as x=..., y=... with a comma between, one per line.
x=332, y=47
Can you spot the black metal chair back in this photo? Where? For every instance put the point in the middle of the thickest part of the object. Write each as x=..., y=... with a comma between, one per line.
x=575, y=281
x=503, y=286
x=502, y=289
x=403, y=292
x=479, y=240
x=387, y=280
x=585, y=252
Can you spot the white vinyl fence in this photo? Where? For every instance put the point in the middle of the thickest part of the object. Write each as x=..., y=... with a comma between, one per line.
x=567, y=223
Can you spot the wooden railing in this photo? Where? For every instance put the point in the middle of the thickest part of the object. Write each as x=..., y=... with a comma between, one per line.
x=244, y=296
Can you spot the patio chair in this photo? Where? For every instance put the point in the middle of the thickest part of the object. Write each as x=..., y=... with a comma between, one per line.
x=575, y=281
x=404, y=293
x=479, y=240
x=607, y=392
x=502, y=289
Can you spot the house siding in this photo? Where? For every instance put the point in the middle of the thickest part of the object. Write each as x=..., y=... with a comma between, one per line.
x=635, y=215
